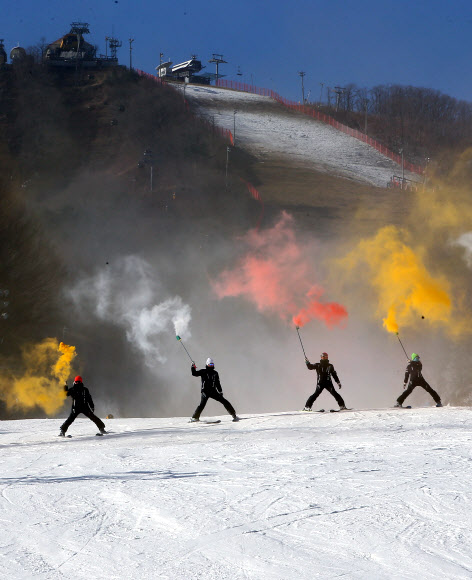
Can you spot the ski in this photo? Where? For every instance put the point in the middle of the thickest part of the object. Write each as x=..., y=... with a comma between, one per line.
x=339, y=410
x=207, y=421
x=407, y=407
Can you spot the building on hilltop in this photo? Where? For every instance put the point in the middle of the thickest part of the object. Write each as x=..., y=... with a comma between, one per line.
x=185, y=72
x=71, y=50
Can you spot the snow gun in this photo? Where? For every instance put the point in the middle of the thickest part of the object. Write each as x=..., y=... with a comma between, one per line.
x=398, y=336
x=300, y=338
x=180, y=340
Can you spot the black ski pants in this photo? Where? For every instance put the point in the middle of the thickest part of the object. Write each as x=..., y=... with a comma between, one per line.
x=419, y=383
x=88, y=413
x=319, y=389
x=213, y=394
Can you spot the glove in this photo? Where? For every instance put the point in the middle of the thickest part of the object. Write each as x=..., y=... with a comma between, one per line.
x=307, y=362
x=194, y=366
x=66, y=388
x=339, y=386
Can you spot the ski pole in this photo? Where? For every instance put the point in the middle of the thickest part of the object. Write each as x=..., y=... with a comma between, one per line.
x=398, y=336
x=300, y=338
x=180, y=340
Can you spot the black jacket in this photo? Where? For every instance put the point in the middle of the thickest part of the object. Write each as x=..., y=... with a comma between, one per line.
x=81, y=397
x=413, y=370
x=324, y=370
x=210, y=379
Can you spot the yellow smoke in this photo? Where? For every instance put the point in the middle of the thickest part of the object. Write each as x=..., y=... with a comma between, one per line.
x=48, y=366
x=405, y=290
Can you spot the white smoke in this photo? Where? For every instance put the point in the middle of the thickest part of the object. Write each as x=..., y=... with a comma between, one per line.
x=465, y=242
x=126, y=294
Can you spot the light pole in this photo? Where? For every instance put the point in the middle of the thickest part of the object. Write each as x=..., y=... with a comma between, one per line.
x=148, y=158
x=227, y=161
x=302, y=74
x=234, y=125
x=131, y=40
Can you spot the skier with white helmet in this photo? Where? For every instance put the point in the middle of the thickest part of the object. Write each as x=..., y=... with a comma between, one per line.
x=211, y=388
x=414, y=378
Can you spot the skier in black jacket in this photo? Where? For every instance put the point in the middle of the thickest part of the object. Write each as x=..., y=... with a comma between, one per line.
x=81, y=403
x=324, y=370
x=211, y=388
x=414, y=374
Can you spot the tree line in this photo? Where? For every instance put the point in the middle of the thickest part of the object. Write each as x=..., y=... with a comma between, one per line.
x=422, y=122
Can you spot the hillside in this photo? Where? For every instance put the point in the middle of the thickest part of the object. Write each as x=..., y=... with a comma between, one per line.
x=367, y=495
x=123, y=267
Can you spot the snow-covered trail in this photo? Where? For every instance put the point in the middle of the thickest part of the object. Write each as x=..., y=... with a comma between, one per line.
x=266, y=128
x=361, y=494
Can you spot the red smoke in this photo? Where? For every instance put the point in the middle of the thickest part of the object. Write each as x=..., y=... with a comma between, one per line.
x=276, y=277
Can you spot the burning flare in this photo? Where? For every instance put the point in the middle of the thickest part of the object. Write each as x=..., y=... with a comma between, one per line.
x=48, y=366
x=276, y=277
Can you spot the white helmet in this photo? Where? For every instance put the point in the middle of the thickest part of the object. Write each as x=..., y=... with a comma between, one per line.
x=210, y=362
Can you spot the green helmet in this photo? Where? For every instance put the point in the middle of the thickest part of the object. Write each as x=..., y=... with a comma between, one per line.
x=415, y=356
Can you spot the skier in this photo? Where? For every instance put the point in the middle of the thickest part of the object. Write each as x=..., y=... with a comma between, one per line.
x=324, y=370
x=211, y=388
x=416, y=379
x=81, y=403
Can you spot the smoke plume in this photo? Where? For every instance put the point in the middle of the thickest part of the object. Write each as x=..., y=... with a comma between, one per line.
x=125, y=295
x=404, y=288
x=276, y=276
x=47, y=367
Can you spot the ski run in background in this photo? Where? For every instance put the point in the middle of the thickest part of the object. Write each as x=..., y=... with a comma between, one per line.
x=370, y=494
x=266, y=128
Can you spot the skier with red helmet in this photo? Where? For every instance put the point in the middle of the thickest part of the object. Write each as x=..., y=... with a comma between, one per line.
x=81, y=403
x=211, y=388
x=324, y=370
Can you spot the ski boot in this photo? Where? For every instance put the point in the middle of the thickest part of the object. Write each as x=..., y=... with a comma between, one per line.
x=397, y=404
x=193, y=420
x=103, y=432
x=307, y=409
x=343, y=408
x=439, y=404
x=61, y=433
x=235, y=418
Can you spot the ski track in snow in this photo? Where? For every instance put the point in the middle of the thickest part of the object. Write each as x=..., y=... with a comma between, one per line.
x=265, y=127
x=363, y=494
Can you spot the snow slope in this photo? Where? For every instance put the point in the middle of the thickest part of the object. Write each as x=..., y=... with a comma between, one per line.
x=362, y=494
x=266, y=127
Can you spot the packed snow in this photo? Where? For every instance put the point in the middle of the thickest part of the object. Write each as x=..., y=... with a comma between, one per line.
x=370, y=494
x=267, y=128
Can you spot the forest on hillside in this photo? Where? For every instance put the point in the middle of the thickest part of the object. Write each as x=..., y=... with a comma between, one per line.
x=424, y=123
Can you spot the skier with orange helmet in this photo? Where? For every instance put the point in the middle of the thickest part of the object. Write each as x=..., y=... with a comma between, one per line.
x=324, y=370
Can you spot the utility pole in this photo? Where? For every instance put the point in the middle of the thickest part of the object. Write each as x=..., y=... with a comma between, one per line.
x=217, y=59
x=234, y=125
x=161, y=56
x=321, y=93
x=301, y=75
x=131, y=40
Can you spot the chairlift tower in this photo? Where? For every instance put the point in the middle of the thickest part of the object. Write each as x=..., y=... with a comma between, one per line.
x=217, y=59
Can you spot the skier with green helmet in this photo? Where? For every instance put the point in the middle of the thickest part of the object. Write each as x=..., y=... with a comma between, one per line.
x=414, y=378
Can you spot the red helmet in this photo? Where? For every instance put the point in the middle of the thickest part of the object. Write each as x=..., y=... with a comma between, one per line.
x=78, y=379
x=324, y=355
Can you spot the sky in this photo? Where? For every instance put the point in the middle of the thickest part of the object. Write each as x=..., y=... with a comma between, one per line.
x=365, y=42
